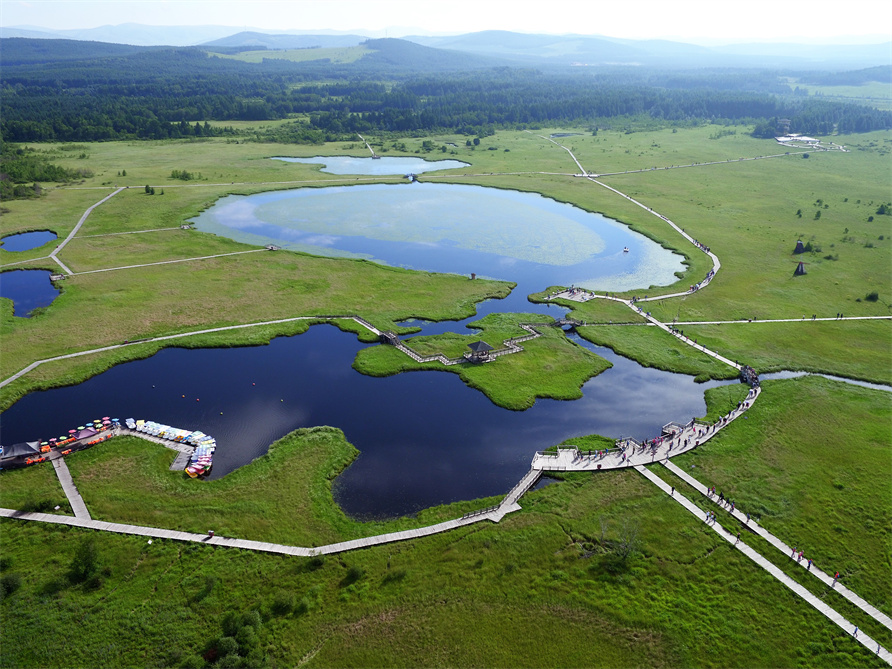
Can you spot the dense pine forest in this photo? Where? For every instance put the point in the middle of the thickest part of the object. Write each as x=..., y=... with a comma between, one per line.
x=61, y=90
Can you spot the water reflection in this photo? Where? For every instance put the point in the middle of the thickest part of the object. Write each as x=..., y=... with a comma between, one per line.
x=25, y=241
x=28, y=289
x=384, y=166
x=424, y=437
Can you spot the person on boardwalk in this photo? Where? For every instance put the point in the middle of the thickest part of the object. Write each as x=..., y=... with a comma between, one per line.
x=855, y=633
x=835, y=578
x=809, y=564
x=673, y=490
x=738, y=538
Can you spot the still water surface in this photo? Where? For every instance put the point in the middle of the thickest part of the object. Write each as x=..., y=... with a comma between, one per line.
x=28, y=289
x=25, y=241
x=388, y=166
x=532, y=240
x=425, y=438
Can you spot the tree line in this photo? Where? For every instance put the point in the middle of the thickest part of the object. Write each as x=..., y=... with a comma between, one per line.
x=174, y=92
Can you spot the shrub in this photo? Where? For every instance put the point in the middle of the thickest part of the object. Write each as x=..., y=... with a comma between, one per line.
x=85, y=561
x=227, y=645
x=302, y=606
x=394, y=576
x=9, y=583
x=283, y=604
x=872, y=297
x=192, y=662
x=353, y=575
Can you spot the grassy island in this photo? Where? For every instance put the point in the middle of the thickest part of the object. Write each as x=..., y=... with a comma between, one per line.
x=550, y=366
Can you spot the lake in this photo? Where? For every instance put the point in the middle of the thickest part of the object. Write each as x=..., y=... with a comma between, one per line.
x=25, y=241
x=414, y=452
x=532, y=240
x=28, y=289
x=385, y=166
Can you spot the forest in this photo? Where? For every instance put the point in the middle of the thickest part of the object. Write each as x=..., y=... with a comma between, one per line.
x=66, y=91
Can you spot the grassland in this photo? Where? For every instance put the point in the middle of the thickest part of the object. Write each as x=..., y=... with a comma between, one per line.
x=544, y=586
x=654, y=348
x=550, y=366
x=347, y=54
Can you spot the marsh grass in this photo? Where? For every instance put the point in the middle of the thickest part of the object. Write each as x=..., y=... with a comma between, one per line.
x=33, y=488
x=811, y=462
x=651, y=347
x=485, y=595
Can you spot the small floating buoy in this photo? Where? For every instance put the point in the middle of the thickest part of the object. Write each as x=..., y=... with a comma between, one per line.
x=253, y=384
x=183, y=395
x=197, y=400
x=281, y=400
x=221, y=413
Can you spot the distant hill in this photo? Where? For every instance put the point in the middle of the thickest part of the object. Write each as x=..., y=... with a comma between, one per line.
x=27, y=51
x=400, y=54
x=255, y=40
x=597, y=50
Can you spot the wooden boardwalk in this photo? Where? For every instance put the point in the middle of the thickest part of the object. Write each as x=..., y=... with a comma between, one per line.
x=67, y=483
x=82, y=519
x=802, y=592
x=872, y=611
x=571, y=459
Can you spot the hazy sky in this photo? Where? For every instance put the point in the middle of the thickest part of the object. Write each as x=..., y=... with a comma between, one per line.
x=703, y=20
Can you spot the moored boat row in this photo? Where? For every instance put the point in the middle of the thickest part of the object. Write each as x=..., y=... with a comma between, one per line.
x=201, y=459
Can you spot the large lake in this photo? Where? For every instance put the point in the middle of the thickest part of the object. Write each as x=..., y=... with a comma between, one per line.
x=532, y=240
x=425, y=438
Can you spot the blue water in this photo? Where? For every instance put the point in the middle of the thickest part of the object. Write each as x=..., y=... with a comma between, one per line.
x=28, y=289
x=425, y=438
x=376, y=166
x=25, y=241
x=526, y=238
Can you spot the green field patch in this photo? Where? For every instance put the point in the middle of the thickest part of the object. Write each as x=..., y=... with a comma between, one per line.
x=805, y=346
x=652, y=347
x=33, y=488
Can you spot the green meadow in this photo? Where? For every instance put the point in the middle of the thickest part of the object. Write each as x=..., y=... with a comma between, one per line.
x=548, y=584
x=596, y=570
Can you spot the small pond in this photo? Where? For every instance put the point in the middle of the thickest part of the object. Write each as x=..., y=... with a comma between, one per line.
x=425, y=438
x=532, y=240
x=28, y=289
x=25, y=241
x=376, y=166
